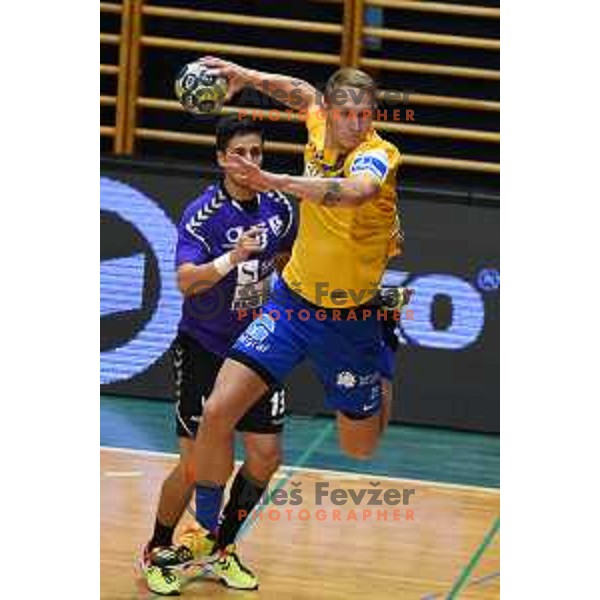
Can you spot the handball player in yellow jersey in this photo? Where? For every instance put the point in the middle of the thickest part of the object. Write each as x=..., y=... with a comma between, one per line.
x=326, y=306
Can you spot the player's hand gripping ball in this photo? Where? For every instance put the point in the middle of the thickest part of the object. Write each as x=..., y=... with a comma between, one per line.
x=200, y=92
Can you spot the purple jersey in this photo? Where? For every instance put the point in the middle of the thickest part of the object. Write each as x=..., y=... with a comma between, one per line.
x=211, y=225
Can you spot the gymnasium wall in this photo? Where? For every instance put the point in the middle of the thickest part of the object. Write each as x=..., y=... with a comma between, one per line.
x=443, y=55
x=448, y=363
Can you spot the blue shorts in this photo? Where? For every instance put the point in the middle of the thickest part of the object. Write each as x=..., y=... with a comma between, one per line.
x=348, y=355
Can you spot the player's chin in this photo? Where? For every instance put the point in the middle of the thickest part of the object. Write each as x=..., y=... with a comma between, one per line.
x=236, y=176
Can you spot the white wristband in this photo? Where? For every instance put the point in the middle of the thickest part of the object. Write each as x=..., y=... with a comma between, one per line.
x=223, y=264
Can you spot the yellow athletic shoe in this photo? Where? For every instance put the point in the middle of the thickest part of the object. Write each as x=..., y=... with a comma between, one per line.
x=161, y=579
x=200, y=543
x=228, y=569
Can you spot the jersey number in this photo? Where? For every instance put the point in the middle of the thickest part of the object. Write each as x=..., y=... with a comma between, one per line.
x=278, y=403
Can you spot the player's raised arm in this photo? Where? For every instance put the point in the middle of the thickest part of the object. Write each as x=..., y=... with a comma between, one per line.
x=293, y=92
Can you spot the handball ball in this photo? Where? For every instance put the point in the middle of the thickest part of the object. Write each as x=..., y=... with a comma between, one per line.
x=199, y=92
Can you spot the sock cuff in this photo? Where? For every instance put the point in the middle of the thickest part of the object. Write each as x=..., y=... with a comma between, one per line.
x=209, y=485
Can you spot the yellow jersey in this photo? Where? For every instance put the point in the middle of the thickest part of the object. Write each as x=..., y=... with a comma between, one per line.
x=340, y=253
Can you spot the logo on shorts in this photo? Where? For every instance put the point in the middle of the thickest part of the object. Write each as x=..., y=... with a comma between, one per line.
x=257, y=333
x=370, y=378
x=261, y=328
x=346, y=379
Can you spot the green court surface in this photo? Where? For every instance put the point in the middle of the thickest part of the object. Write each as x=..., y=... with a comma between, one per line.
x=411, y=452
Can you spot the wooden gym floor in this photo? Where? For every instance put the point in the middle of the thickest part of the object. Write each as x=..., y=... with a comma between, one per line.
x=447, y=547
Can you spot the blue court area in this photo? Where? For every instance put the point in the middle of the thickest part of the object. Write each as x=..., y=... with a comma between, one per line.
x=410, y=452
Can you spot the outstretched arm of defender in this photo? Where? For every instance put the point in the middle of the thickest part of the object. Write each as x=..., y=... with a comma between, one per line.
x=294, y=93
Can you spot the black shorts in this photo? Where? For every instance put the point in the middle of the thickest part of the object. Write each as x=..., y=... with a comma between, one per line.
x=195, y=371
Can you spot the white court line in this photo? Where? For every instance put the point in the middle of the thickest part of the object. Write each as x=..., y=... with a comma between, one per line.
x=331, y=474
x=122, y=473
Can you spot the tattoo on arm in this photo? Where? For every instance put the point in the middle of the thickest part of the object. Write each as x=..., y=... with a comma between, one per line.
x=333, y=194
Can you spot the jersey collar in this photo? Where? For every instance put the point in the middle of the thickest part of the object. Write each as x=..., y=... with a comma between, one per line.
x=245, y=207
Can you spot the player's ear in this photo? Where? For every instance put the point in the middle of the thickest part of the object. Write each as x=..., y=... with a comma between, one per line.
x=262, y=154
x=221, y=158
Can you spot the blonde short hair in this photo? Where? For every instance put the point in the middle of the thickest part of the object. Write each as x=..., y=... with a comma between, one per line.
x=350, y=77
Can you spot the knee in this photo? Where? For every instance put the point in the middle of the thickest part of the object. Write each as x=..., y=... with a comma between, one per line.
x=215, y=417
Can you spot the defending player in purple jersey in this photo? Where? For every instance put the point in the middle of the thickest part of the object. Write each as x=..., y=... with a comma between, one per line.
x=229, y=241
x=210, y=227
